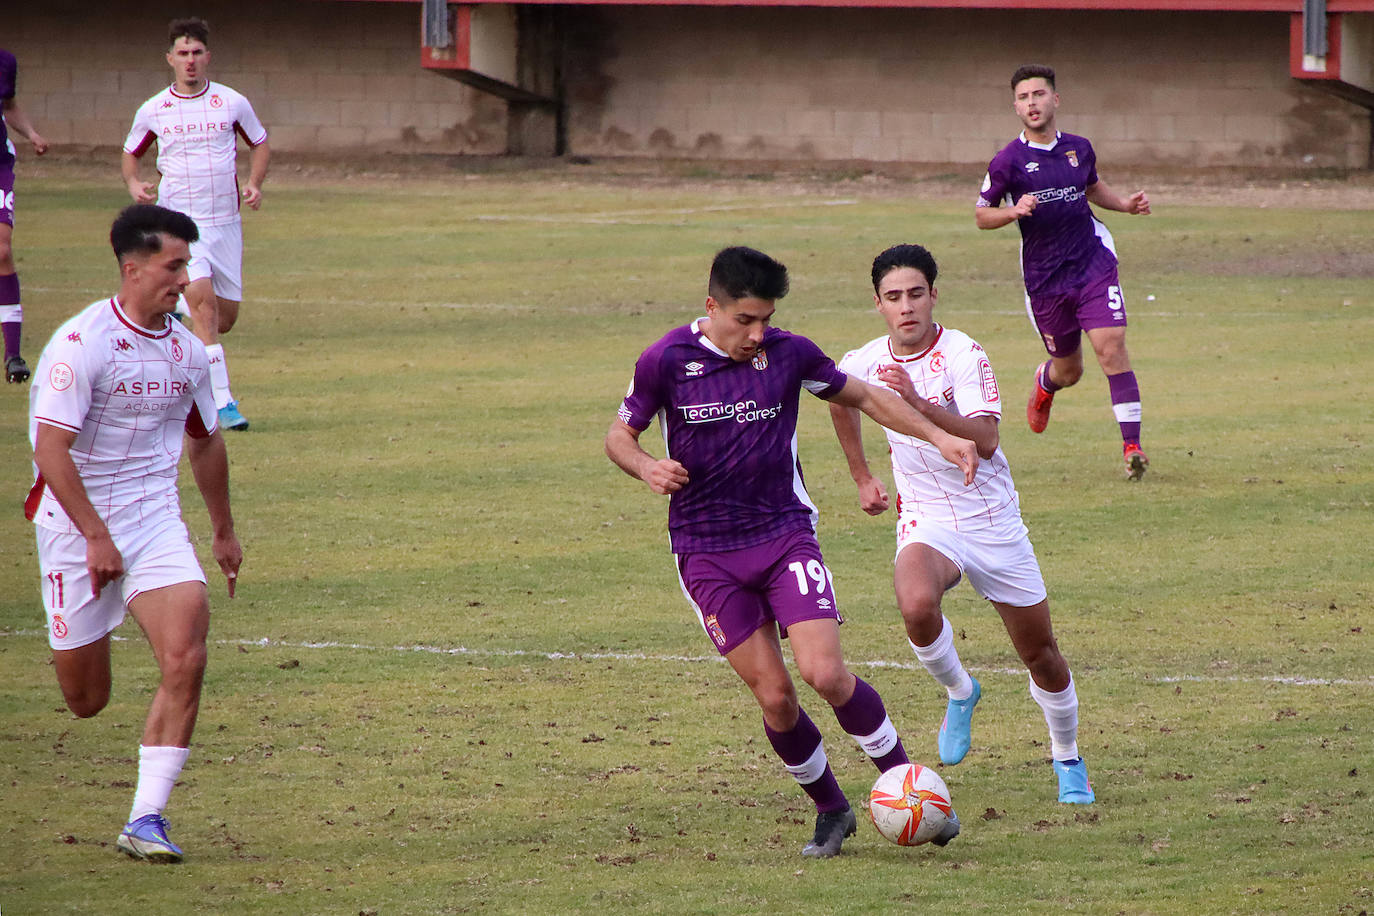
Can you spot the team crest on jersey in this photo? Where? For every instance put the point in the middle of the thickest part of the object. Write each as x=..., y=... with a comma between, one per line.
x=216, y=102
x=1073, y=157
x=713, y=627
x=937, y=362
x=760, y=361
x=177, y=353
x=61, y=377
x=1032, y=166
x=59, y=627
x=693, y=369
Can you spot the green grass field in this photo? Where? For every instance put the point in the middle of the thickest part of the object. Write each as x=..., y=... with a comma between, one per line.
x=460, y=676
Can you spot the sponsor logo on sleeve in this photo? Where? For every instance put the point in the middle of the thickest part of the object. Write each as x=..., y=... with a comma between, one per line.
x=989, y=382
x=75, y=337
x=61, y=377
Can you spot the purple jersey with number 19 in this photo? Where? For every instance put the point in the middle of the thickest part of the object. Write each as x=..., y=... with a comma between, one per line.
x=733, y=426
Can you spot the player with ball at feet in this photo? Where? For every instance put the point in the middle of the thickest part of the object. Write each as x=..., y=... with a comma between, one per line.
x=945, y=529
x=726, y=390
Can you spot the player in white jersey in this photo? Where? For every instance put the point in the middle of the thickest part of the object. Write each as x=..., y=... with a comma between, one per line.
x=117, y=388
x=196, y=125
x=945, y=530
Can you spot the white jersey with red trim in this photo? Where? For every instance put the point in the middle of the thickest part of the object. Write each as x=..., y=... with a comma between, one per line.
x=953, y=373
x=129, y=394
x=197, y=144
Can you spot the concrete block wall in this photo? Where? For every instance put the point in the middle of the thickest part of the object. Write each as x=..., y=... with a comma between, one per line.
x=915, y=85
x=322, y=76
x=924, y=85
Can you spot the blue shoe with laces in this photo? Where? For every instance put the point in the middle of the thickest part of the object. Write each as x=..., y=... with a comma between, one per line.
x=230, y=418
x=146, y=838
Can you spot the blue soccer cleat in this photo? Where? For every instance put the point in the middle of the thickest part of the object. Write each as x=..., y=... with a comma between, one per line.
x=146, y=838
x=955, y=731
x=230, y=418
x=1074, y=788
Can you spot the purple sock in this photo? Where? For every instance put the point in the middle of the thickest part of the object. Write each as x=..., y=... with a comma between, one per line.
x=800, y=750
x=1126, y=405
x=1043, y=374
x=9, y=295
x=865, y=719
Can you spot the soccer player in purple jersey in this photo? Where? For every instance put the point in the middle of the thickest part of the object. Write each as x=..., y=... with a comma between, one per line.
x=12, y=115
x=1043, y=181
x=946, y=530
x=725, y=389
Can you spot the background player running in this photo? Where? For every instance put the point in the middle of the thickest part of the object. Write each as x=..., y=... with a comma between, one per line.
x=196, y=124
x=726, y=390
x=115, y=392
x=946, y=530
x=1043, y=181
x=12, y=115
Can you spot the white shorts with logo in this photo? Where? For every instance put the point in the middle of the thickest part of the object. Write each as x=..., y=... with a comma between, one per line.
x=219, y=256
x=999, y=561
x=155, y=556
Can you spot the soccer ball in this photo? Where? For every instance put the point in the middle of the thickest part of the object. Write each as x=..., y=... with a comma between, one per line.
x=910, y=806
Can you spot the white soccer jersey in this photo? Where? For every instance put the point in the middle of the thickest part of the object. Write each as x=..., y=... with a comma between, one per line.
x=197, y=143
x=953, y=373
x=129, y=394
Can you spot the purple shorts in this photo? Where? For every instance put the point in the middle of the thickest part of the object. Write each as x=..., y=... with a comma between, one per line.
x=782, y=582
x=7, y=196
x=1094, y=301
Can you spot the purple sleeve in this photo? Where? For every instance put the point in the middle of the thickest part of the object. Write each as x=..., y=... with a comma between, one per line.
x=995, y=183
x=1090, y=159
x=645, y=398
x=9, y=74
x=819, y=374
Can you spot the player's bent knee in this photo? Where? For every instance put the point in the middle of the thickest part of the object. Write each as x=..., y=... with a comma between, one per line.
x=86, y=701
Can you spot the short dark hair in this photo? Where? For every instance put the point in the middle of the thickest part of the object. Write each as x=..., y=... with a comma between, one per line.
x=904, y=256
x=1030, y=72
x=139, y=229
x=192, y=27
x=745, y=273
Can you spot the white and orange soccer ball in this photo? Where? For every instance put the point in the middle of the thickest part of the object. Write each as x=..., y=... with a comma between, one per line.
x=910, y=805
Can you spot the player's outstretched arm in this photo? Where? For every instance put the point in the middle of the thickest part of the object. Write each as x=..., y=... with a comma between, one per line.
x=997, y=217
x=663, y=475
x=18, y=118
x=891, y=411
x=52, y=453
x=143, y=192
x=848, y=429
x=982, y=431
x=1100, y=194
x=210, y=465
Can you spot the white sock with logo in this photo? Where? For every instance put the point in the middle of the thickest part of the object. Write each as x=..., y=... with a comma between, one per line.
x=219, y=375
x=158, y=769
x=941, y=659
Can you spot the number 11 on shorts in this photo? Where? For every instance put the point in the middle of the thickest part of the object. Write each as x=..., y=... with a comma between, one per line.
x=55, y=588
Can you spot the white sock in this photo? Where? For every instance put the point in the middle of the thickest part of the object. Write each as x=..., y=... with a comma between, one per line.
x=219, y=375
x=158, y=769
x=1061, y=715
x=941, y=659
x=10, y=313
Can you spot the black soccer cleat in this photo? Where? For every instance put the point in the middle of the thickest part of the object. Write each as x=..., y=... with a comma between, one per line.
x=831, y=829
x=947, y=832
x=16, y=370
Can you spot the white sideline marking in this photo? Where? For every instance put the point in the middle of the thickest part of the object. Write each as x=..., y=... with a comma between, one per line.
x=267, y=643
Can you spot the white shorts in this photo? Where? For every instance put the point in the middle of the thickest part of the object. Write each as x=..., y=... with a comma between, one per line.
x=155, y=556
x=219, y=256
x=998, y=560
